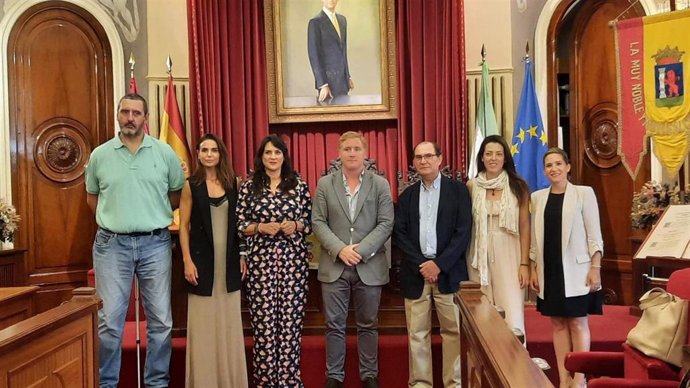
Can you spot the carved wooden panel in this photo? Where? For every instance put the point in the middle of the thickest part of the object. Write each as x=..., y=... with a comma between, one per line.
x=61, y=149
x=61, y=108
x=54, y=349
x=601, y=135
x=12, y=267
x=58, y=368
x=6, y=275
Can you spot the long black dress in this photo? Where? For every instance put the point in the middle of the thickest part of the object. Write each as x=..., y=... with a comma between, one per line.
x=555, y=304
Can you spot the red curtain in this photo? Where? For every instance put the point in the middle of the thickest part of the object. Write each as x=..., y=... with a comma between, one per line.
x=312, y=146
x=228, y=75
x=228, y=86
x=431, y=74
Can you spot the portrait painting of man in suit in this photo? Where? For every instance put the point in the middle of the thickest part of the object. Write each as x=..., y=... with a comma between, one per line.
x=317, y=50
x=327, y=47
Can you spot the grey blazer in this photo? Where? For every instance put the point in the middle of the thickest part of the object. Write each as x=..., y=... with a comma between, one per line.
x=371, y=227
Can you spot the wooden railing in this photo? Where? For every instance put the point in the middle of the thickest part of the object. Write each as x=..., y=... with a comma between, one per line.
x=491, y=355
x=16, y=304
x=54, y=349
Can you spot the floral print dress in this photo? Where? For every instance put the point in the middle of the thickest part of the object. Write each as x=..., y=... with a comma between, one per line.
x=276, y=281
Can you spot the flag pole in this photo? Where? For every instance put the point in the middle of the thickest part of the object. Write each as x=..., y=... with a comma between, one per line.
x=483, y=53
x=168, y=65
x=131, y=65
x=136, y=277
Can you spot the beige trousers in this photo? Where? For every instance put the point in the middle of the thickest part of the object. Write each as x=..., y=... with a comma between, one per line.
x=418, y=316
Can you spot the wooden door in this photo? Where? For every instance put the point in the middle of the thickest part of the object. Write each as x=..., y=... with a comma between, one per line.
x=61, y=108
x=590, y=67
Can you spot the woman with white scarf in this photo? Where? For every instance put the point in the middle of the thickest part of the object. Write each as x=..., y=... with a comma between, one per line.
x=499, y=249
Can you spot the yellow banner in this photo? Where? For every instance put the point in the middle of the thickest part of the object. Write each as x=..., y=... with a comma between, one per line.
x=666, y=76
x=666, y=53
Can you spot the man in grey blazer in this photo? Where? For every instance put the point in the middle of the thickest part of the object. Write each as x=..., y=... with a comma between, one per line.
x=352, y=217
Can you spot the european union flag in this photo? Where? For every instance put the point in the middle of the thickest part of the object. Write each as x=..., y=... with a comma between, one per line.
x=529, y=141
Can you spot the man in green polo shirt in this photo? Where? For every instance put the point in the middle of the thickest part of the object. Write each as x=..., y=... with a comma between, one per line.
x=133, y=182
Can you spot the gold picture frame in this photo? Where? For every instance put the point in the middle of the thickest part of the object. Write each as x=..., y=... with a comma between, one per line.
x=369, y=29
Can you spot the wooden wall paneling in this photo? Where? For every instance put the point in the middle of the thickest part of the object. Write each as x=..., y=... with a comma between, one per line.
x=391, y=311
x=61, y=108
x=12, y=272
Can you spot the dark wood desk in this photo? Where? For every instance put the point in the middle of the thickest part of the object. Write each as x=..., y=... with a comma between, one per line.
x=652, y=272
x=391, y=310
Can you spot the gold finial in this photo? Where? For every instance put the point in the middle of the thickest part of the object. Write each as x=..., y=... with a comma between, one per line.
x=168, y=64
x=131, y=62
x=527, y=50
x=483, y=52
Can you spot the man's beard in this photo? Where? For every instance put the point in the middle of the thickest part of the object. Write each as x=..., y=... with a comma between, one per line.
x=131, y=131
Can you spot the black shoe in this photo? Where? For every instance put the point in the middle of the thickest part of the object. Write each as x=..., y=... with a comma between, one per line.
x=333, y=383
x=370, y=382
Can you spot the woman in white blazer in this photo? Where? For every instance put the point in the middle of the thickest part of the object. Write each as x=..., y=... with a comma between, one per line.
x=566, y=253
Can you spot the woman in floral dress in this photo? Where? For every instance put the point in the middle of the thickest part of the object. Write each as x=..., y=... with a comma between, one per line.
x=274, y=213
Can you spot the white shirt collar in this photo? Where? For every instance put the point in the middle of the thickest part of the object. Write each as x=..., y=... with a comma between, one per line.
x=435, y=184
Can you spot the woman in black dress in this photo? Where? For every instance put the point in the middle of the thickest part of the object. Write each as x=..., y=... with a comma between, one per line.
x=566, y=253
x=213, y=270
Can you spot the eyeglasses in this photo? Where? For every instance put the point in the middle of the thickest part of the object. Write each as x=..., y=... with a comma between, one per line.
x=419, y=158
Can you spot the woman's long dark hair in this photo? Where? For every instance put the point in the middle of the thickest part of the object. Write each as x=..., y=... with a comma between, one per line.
x=224, y=171
x=261, y=180
x=517, y=185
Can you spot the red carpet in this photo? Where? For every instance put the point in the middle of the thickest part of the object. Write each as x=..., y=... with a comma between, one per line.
x=608, y=332
x=393, y=360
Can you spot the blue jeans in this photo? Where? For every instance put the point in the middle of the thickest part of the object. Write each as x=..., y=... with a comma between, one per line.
x=116, y=259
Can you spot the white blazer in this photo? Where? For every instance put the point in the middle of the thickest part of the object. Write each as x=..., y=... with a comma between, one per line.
x=580, y=236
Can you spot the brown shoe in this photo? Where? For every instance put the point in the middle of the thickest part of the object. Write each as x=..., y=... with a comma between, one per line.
x=333, y=383
x=370, y=382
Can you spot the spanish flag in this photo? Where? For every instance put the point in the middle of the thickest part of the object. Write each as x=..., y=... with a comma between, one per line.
x=172, y=130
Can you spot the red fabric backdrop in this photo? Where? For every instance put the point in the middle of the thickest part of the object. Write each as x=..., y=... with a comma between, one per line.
x=228, y=75
x=228, y=88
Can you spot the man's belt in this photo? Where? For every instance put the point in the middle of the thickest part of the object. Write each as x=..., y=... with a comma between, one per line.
x=154, y=232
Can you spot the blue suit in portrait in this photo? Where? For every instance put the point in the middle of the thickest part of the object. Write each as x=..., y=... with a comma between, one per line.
x=328, y=53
